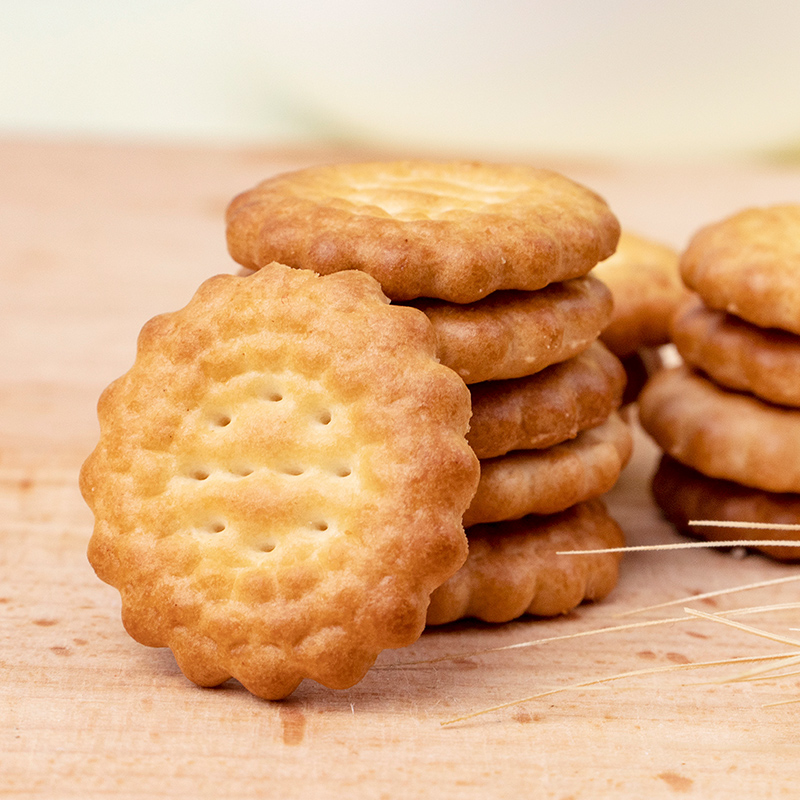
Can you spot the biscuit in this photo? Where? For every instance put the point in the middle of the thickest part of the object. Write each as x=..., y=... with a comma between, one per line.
x=721, y=433
x=738, y=354
x=547, y=408
x=457, y=231
x=514, y=334
x=547, y=481
x=748, y=265
x=684, y=494
x=280, y=480
x=644, y=279
x=639, y=366
x=513, y=567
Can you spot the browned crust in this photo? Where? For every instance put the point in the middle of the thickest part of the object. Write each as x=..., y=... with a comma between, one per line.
x=223, y=510
x=645, y=282
x=720, y=433
x=514, y=334
x=748, y=265
x=548, y=481
x=738, y=354
x=513, y=567
x=547, y=408
x=452, y=230
x=685, y=495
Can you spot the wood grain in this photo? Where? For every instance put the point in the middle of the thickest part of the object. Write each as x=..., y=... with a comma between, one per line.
x=95, y=239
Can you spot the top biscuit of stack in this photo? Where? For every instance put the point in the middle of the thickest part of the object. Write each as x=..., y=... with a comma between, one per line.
x=455, y=231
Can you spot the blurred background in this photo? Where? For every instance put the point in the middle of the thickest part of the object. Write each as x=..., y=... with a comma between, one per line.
x=669, y=79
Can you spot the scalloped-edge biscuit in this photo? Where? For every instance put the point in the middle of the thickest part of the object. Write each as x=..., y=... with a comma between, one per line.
x=454, y=230
x=551, y=480
x=748, y=265
x=738, y=354
x=684, y=495
x=514, y=568
x=547, y=408
x=514, y=334
x=280, y=479
x=645, y=282
x=721, y=433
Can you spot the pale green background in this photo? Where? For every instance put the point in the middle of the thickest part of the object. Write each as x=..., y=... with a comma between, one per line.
x=630, y=78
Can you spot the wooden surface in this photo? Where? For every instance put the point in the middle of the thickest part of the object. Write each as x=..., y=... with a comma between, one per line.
x=94, y=240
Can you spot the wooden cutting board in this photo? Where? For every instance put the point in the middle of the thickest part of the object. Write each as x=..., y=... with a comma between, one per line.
x=97, y=238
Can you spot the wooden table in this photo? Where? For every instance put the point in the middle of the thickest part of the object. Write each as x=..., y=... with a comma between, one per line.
x=97, y=238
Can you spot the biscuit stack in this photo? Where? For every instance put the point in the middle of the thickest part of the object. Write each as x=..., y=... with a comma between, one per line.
x=645, y=281
x=728, y=419
x=497, y=258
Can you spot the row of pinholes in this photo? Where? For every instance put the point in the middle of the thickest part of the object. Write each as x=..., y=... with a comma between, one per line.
x=223, y=420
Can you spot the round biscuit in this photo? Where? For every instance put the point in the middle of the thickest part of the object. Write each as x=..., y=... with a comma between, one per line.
x=748, y=265
x=514, y=568
x=547, y=408
x=280, y=480
x=738, y=354
x=551, y=480
x=684, y=495
x=456, y=230
x=645, y=282
x=721, y=433
x=513, y=334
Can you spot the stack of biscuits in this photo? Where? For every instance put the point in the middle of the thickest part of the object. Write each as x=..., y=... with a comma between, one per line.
x=645, y=281
x=284, y=476
x=728, y=419
x=497, y=258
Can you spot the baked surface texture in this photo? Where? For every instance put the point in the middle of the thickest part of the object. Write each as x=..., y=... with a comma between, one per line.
x=738, y=354
x=280, y=480
x=748, y=264
x=546, y=408
x=457, y=231
x=551, y=480
x=684, y=495
x=645, y=282
x=721, y=433
x=513, y=334
x=514, y=568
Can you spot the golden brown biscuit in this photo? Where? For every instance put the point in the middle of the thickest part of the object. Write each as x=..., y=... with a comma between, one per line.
x=547, y=481
x=644, y=279
x=513, y=567
x=684, y=495
x=513, y=334
x=748, y=265
x=720, y=433
x=457, y=231
x=547, y=408
x=738, y=354
x=280, y=480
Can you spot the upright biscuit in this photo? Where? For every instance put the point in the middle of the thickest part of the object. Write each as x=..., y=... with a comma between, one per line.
x=547, y=481
x=748, y=265
x=513, y=334
x=684, y=495
x=514, y=568
x=457, y=231
x=547, y=408
x=738, y=354
x=720, y=433
x=280, y=480
x=644, y=279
